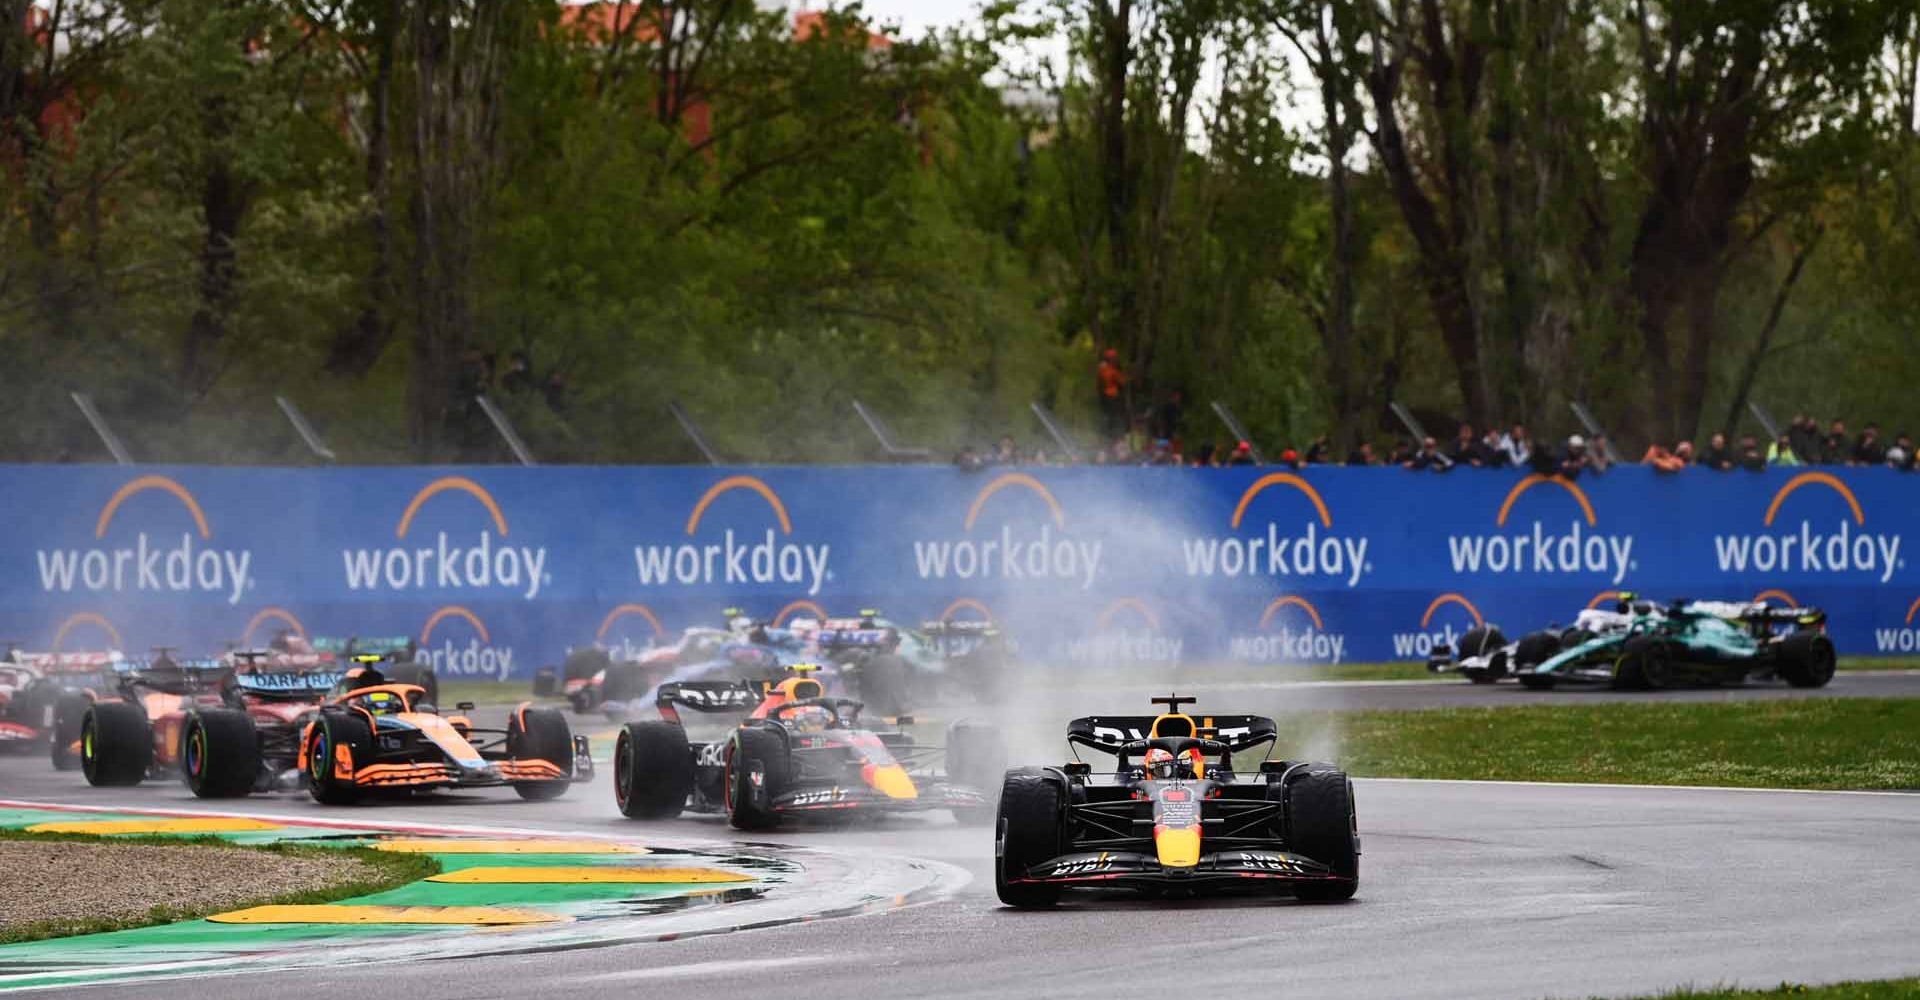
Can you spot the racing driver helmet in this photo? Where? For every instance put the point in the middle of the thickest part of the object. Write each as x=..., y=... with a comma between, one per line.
x=1161, y=764
x=807, y=718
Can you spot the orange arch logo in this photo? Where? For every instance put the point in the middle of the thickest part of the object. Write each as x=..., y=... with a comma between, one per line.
x=453, y=611
x=728, y=485
x=967, y=604
x=623, y=611
x=1605, y=596
x=1911, y=608
x=1021, y=479
x=266, y=615
x=85, y=618
x=1520, y=488
x=458, y=484
x=819, y=613
x=1786, y=598
x=144, y=483
x=1134, y=604
x=1445, y=599
x=1282, y=479
x=1826, y=479
x=1291, y=600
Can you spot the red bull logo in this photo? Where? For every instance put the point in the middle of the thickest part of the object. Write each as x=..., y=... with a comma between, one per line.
x=1848, y=548
x=1537, y=549
x=1027, y=547
x=480, y=562
x=465, y=647
x=1290, y=630
x=146, y=562
x=1314, y=552
x=736, y=558
x=1447, y=618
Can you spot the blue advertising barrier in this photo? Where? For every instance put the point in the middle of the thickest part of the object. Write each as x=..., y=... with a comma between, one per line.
x=499, y=570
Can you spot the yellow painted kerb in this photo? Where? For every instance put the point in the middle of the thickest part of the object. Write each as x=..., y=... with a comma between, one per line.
x=207, y=824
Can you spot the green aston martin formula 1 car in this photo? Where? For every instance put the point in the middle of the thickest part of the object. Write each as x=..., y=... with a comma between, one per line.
x=1696, y=642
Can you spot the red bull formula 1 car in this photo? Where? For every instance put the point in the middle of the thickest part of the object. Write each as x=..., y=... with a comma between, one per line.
x=796, y=753
x=1173, y=816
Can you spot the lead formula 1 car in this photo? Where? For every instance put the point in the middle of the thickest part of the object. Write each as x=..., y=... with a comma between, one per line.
x=1174, y=816
x=796, y=753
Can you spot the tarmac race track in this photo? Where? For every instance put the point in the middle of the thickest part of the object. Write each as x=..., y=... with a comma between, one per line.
x=1468, y=890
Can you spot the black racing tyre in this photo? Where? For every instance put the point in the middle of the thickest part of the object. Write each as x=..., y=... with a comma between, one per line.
x=652, y=770
x=1573, y=637
x=1481, y=640
x=751, y=751
x=1645, y=663
x=623, y=682
x=116, y=744
x=68, y=713
x=1535, y=648
x=976, y=755
x=219, y=753
x=541, y=734
x=415, y=673
x=1536, y=682
x=883, y=684
x=582, y=664
x=329, y=732
x=546, y=682
x=1805, y=659
x=1027, y=833
x=1321, y=824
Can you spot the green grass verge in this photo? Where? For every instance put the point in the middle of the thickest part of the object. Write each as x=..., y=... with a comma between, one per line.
x=1879, y=663
x=396, y=869
x=489, y=693
x=1886, y=989
x=1858, y=743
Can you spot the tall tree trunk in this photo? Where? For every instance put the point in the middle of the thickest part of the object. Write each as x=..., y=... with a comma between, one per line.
x=224, y=200
x=1114, y=73
x=357, y=348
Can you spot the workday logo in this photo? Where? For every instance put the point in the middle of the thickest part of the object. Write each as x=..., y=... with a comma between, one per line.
x=735, y=558
x=628, y=630
x=1447, y=618
x=466, y=648
x=1126, y=630
x=1905, y=639
x=1290, y=630
x=158, y=562
x=1848, y=548
x=1535, y=549
x=1023, y=549
x=481, y=561
x=1315, y=551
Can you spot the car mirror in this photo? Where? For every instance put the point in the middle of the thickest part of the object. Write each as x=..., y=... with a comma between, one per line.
x=465, y=706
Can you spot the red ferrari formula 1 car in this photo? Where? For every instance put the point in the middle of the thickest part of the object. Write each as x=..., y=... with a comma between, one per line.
x=43, y=695
x=149, y=722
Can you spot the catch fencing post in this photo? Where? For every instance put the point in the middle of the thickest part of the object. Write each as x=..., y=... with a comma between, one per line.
x=881, y=434
x=505, y=427
x=1239, y=433
x=693, y=431
x=107, y=436
x=1594, y=429
x=304, y=429
x=1055, y=431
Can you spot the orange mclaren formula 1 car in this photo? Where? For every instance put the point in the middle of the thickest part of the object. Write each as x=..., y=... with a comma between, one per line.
x=1174, y=817
x=796, y=753
x=371, y=735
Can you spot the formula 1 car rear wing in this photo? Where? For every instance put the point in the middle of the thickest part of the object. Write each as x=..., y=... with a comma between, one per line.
x=1114, y=734
x=856, y=638
x=352, y=645
x=706, y=696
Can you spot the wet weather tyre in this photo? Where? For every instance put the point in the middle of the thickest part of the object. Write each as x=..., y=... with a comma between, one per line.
x=1321, y=824
x=116, y=744
x=652, y=770
x=976, y=756
x=1027, y=833
x=330, y=731
x=1645, y=664
x=883, y=684
x=64, y=746
x=750, y=804
x=1806, y=660
x=219, y=753
x=1534, y=649
x=535, y=734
